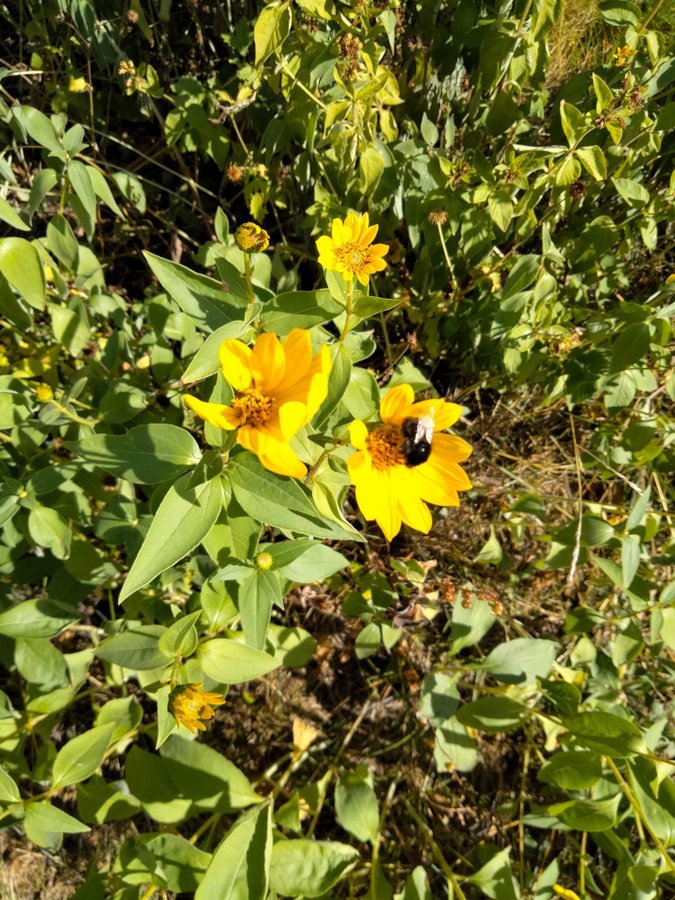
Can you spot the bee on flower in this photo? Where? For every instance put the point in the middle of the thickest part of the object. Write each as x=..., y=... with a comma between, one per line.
x=350, y=249
x=278, y=388
x=406, y=462
x=191, y=706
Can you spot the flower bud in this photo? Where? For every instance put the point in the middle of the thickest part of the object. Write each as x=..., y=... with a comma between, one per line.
x=251, y=238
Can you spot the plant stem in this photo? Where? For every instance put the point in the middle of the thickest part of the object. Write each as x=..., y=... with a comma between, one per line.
x=349, y=306
x=640, y=818
x=249, y=282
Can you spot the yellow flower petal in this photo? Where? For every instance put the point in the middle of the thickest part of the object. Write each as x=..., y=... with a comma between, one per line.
x=432, y=485
x=235, y=359
x=268, y=362
x=217, y=414
x=292, y=416
x=413, y=510
x=395, y=403
x=358, y=434
x=450, y=448
x=445, y=414
x=275, y=455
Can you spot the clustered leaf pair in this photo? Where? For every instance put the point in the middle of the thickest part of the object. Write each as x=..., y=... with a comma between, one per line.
x=278, y=388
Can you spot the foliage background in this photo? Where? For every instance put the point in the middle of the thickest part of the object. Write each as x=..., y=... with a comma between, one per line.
x=494, y=701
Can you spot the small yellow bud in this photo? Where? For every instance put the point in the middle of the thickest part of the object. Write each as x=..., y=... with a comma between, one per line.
x=264, y=561
x=44, y=393
x=251, y=238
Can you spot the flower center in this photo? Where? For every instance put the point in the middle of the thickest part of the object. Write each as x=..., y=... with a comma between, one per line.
x=351, y=255
x=384, y=446
x=254, y=407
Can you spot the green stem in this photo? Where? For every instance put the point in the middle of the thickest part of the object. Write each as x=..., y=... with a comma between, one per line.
x=349, y=306
x=437, y=853
x=249, y=282
x=640, y=818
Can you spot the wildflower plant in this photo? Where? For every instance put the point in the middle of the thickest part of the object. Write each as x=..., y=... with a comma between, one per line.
x=254, y=319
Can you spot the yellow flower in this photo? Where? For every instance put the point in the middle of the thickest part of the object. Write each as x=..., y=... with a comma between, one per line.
x=304, y=735
x=78, y=85
x=565, y=893
x=350, y=249
x=44, y=393
x=624, y=55
x=191, y=706
x=251, y=238
x=278, y=388
x=395, y=473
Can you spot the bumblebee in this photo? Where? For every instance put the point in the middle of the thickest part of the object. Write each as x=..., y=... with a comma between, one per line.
x=417, y=435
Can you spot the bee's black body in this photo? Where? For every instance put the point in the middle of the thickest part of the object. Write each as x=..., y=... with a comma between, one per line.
x=416, y=445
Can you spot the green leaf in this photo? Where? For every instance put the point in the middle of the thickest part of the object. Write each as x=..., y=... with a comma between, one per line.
x=62, y=243
x=70, y=325
x=257, y=594
x=417, y=886
x=183, y=518
x=280, y=502
x=303, y=868
x=40, y=128
x=593, y=160
x=305, y=561
x=36, y=619
x=49, y=529
x=522, y=275
x=9, y=215
x=634, y=193
x=605, y=733
x=78, y=174
x=200, y=297
x=298, y=309
x=131, y=189
x=9, y=791
x=630, y=346
x=231, y=662
x=205, y=362
x=338, y=382
x=603, y=94
x=521, y=661
x=148, y=454
x=371, y=167
x=270, y=30
x=470, y=623
x=43, y=182
x=365, y=307
x=293, y=647
x=205, y=776
x=43, y=816
x=22, y=267
x=620, y=12
x=81, y=756
x=638, y=510
x=492, y=714
x=136, y=649
x=573, y=122
x=102, y=190
x=587, y=815
x=495, y=879
x=240, y=866
x=630, y=559
x=356, y=807
x=500, y=209
x=572, y=770
x=181, y=638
